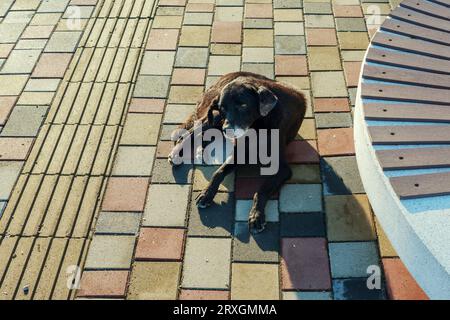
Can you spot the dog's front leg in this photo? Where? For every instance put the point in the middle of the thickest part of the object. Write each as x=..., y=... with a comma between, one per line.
x=257, y=219
x=205, y=198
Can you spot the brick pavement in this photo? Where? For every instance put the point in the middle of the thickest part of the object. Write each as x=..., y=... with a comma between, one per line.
x=96, y=189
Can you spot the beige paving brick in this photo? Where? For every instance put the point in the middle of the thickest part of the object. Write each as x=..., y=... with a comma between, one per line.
x=260, y=55
x=324, y=58
x=258, y=38
x=254, y=282
x=319, y=21
x=45, y=19
x=219, y=65
x=185, y=94
x=226, y=49
x=167, y=22
x=328, y=84
x=386, y=248
x=9, y=171
x=158, y=62
x=288, y=15
x=307, y=130
x=195, y=36
x=353, y=40
x=203, y=174
x=12, y=85
x=228, y=14
x=141, y=129
x=289, y=29
x=298, y=82
x=36, y=98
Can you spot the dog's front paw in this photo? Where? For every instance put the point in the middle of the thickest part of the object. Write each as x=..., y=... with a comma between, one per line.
x=256, y=221
x=204, y=199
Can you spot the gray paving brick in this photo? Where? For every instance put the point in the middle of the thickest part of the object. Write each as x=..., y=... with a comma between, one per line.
x=110, y=252
x=301, y=198
x=198, y=18
x=355, y=289
x=63, y=41
x=4, y=6
x=191, y=57
x=350, y=24
x=18, y=17
x=258, y=23
x=21, y=61
x=302, y=225
x=317, y=8
x=333, y=120
x=2, y=207
x=351, y=259
x=9, y=171
x=307, y=295
x=216, y=220
x=340, y=175
x=207, y=263
x=166, y=205
x=36, y=44
x=24, y=121
x=319, y=21
x=170, y=11
x=141, y=129
x=10, y=32
x=290, y=45
x=266, y=69
x=82, y=12
x=53, y=6
x=45, y=19
x=163, y=172
x=203, y=174
x=42, y=85
x=243, y=209
x=166, y=131
x=281, y=4
x=151, y=87
x=157, y=63
x=134, y=161
x=261, y=247
x=118, y=223
x=177, y=113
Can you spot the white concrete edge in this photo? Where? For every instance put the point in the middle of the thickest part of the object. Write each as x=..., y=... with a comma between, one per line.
x=429, y=273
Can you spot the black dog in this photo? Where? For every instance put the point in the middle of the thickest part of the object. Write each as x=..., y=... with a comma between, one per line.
x=240, y=101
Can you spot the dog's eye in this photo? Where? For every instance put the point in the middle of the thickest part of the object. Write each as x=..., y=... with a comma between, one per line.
x=244, y=105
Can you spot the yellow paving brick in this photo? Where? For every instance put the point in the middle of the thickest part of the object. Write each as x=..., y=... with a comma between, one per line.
x=121, y=28
x=120, y=102
x=136, y=9
x=76, y=150
x=59, y=114
x=79, y=105
x=138, y=39
x=226, y=49
x=105, y=104
x=258, y=38
x=82, y=64
x=94, y=65
x=185, y=94
x=107, y=65
x=6, y=250
x=101, y=38
x=85, y=110
x=36, y=98
x=195, y=36
x=119, y=60
x=51, y=140
x=89, y=150
x=130, y=66
x=13, y=199
x=104, y=156
x=56, y=162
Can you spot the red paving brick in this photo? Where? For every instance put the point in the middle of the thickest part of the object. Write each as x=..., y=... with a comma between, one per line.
x=343, y=11
x=321, y=37
x=226, y=32
x=290, y=65
x=200, y=7
x=258, y=10
x=247, y=187
x=188, y=76
x=331, y=105
x=351, y=71
x=103, y=284
x=164, y=148
x=142, y=105
x=14, y=148
x=52, y=65
x=399, y=282
x=162, y=39
x=160, y=244
x=336, y=142
x=304, y=264
x=302, y=151
x=6, y=106
x=186, y=294
x=125, y=194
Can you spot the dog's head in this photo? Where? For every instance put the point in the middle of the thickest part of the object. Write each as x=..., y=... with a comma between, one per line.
x=241, y=103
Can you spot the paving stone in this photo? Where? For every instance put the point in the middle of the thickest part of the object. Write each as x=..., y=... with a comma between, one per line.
x=83, y=12
x=300, y=83
x=6, y=105
x=166, y=132
x=317, y=8
x=42, y=85
x=349, y=218
x=118, y=223
x=188, y=76
x=185, y=94
x=216, y=220
x=302, y=151
x=219, y=65
x=186, y=294
x=5, y=49
x=258, y=10
x=289, y=29
x=12, y=85
x=304, y=264
x=103, y=284
x=227, y=49
x=167, y=22
x=180, y=3
x=163, y=149
x=134, y=161
x=63, y=41
x=26, y=5
x=228, y=14
x=157, y=63
x=346, y=11
x=243, y=208
x=207, y=263
x=355, y=289
x=178, y=113
x=162, y=39
x=35, y=98
x=341, y=176
x=166, y=205
x=305, y=173
x=18, y=17
x=350, y=24
x=307, y=295
x=200, y=7
x=160, y=244
x=141, y=129
x=9, y=171
x=194, y=36
x=352, y=71
x=328, y=84
x=319, y=21
x=53, y=6
x=307, y=130
x=110, y=252
x=10, y=32
x=301, y=198
x=52, y=65
x=226, y=32
x=321, y=37
x=288, y=4
x=198, y=18
x=352, y=95
x=351, y=259
x=203, y=174
x=290, y=45
x=400, y=284
x=288, y=15
x=192, y=57
x=151, y=87
x=154, y=281
x=383, y=9
x=14, y=148
x=386, y=248
x=24, y=121
x=139, y=105
x=290, y=65
x=2, y=207
x=353, y=55
x=353, y=40
x=261, y=247
x=125, y=194
x=302, y=225
x=331, y=105
x=324, y=58
x=333, y=120
x=20, y=61
x=259, y=55
x=254, y=281
x=247, y=187
x=45, y=19
x=335, y=142
x=258, y=38
x=264, y=69
x=258, y=24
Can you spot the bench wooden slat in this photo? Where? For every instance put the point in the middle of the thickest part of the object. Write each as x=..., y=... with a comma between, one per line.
x=412, y=45
x=427, y=8
x=406, y=76
x=407, y=112
x=424, y=185
x=420, y=18
x=408, y=60
x=405, y=93
x=445, y=3
x=426, y=134
x=409, y=29
x=420, y=158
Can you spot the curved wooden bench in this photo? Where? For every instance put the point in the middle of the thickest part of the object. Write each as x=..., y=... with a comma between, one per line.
x=402, y=137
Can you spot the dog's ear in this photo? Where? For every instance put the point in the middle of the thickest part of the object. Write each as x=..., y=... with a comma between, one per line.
x=267, y=100
x=211, y=114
